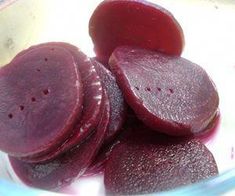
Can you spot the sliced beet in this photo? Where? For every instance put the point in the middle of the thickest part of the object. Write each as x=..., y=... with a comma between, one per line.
x=68, y=166
x=117, y=103
x=40, y=100
x=91, y=107
x=169, y=94
x=134, y=23
x=151, y=163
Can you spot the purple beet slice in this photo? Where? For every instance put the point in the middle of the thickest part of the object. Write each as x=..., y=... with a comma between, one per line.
x=91, y=106
x=139, y=23
x=152, y=163
x=40, y=100
x=168, y=93
x=117, y=103
x=67, y=167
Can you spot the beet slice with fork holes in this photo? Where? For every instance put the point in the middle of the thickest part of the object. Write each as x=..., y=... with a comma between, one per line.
x=64, y=169
x=91, y=107
x=168, y=93
x=40, y=100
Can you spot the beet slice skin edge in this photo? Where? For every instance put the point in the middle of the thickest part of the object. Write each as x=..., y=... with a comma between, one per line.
x=40, y=99
x=152, y=163
x=168, y=93
x=67, y=167
x=117, y=103
x=134, y=22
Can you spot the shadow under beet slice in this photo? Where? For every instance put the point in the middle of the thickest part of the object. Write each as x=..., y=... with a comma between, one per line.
x=152, y=163
x=40, y=99
x=127, y=131
x=98, y=164
x=67, y=167
x=140, y=23
x=117, y=103
x=92, y=90
x=168, y=93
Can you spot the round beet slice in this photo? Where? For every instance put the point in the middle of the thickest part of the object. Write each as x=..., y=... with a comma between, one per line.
x=40, y=99
x=67, y=167
x=152, y=163
x=91, y=107
x=117, y=103
x=169, y=94
x=134, y=23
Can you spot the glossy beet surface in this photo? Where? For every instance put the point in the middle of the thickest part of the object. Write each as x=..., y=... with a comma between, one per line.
x=169, y=94
x=151, y=163
x=67, y=167
x=92, y=102
x=40, y=99
x=134, y=22
x=117, y=103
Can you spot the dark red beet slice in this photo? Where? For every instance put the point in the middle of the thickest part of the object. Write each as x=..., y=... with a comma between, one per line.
x=91, y=107
x=117, y=103
x=169, y=94
x=134, y=23
x=68, y=166
x=152, y=163
x=40, y=99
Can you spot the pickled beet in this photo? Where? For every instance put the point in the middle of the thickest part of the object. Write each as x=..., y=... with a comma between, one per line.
x=169, y=94
x=135, y=23
x=67, y=167
x=91, y=106
x=40, y=98
x=148, y=163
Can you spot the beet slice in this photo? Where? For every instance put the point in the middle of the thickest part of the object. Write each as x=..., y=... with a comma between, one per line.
x=91, y=107
x=117, y=103
x=40, y=100
x=67, y=167
x=169, y=94
x=152, y=163
x=134, y=23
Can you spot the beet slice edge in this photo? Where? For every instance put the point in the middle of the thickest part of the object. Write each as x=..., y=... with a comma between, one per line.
x=117, y=103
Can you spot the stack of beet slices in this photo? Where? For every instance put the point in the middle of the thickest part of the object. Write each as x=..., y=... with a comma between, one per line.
x=60, y=111
x=136, y=118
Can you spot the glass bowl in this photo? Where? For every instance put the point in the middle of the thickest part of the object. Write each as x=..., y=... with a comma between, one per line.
x=209, y=28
